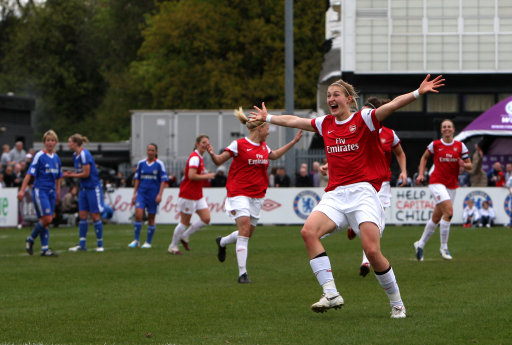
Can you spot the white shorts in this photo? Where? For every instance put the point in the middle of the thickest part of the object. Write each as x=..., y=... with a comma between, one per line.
x=352, y=205
x=243, y=206
x=441, y=193
x=188, y=206
x=385, y=194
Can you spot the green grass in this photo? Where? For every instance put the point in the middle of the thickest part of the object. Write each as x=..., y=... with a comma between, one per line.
x=122, y=295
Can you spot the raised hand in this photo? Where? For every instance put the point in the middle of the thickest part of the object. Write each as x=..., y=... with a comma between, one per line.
x=431, y=85
x=259, y=114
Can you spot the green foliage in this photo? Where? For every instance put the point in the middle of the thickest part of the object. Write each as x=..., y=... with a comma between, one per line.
x=89, y=62
x=220, y=54
x=121, y=295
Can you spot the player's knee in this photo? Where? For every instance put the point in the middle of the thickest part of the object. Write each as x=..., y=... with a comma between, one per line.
x=206, y=220
x=307, y=233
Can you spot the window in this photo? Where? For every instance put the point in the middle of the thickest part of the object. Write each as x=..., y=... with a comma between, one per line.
x=478, y=102
x=442, y=103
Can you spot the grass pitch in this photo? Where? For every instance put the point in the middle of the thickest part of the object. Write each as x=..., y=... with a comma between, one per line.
x=140, y=296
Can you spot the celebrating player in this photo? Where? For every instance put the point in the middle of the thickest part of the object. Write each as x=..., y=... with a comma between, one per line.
x=449, y=156
x=90, y=195
x=191, y=197
x=390, y=143
x=356, y=164
x=246, y=185
x=150, y=178
x=46, y=168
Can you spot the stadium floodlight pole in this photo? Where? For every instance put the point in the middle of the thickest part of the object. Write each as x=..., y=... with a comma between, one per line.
x=289, y=158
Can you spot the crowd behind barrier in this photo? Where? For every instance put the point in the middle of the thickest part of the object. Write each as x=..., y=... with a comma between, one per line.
x=410, y=205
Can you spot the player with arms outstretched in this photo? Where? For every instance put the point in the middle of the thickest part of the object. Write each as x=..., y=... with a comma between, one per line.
x=356, y=164
x=246, y=185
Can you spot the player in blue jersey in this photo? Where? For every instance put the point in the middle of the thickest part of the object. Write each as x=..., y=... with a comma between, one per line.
x=46, y=168
x=90, y=195
x=150, y=179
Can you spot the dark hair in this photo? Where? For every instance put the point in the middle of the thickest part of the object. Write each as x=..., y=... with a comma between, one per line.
x=374, y=102
x=156, y=148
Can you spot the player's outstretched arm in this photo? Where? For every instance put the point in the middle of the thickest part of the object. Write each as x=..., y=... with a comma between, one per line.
x=292, y=121
x=283, y=149
x=401, y=101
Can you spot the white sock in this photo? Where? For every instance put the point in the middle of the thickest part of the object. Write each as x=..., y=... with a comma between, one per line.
x=178, y=231
x=242, y=243
x=193, y=229
x=321, y=267
x=388, y=282
x=430, y=227
x=444, y=228
x=365, y=259
x=229, y=239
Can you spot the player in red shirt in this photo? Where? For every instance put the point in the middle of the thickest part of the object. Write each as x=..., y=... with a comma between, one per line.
x=390, y=143
x=191, y=197
x=246, y=185
x=356, y=165
x=449, y=156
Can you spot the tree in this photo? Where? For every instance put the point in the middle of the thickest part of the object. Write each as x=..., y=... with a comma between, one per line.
x=204, y=54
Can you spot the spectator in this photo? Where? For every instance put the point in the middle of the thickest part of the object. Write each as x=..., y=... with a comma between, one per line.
x=17, y=154
x=487, y=215
x=281, y=179
x=9, y=176
x=495, y=177
x=272, y=177
x=324, y=174
x=477, y=175
x=464, y=178
x=470, y=215
x=302, y=179
x=315, y=174
x=2, y=183
x=18, y=175
x=220, y=177
x=508, y=172
x=5, y=155
x=69, y=203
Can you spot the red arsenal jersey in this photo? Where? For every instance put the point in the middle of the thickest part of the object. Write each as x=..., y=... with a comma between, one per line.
x=192, y=190
x=446, y=162
x=247, y=174
x=353, y=149
x=389, y=140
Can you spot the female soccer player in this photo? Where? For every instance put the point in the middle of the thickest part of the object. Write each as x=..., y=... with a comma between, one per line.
x=191, y=197
x=449, y=156
x=90, y=195
x=46, y=168
x=150, y=179
x=356, y=163
x=246, y=186
x=390, y=144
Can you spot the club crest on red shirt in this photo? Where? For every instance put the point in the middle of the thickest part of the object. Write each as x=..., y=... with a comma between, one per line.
x=352, y=128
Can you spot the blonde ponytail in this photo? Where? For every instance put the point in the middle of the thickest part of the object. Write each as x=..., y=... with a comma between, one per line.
x=239, y=114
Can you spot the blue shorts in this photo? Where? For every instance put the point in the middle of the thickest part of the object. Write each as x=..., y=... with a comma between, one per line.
x=44, y=201
x=147, y=200
x=90, y=200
